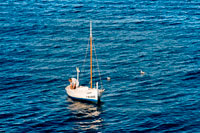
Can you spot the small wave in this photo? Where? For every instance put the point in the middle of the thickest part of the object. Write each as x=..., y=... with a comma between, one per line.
x=191, y=75
x=6, y=115
x=78, y=6
x=174, y=96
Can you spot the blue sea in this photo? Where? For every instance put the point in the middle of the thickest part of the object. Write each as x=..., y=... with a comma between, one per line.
x=42, y=42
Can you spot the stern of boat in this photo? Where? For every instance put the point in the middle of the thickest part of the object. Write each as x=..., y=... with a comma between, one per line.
x=100, y=92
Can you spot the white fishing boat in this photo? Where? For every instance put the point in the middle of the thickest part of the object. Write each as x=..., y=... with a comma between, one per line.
x=92, y=93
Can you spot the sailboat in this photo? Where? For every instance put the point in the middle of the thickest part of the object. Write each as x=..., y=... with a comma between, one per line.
x=85, y=93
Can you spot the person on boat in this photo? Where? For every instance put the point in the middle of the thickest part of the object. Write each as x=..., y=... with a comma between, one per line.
x=73, y=83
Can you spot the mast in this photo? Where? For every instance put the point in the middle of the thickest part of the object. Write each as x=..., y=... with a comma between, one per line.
x=90, y=54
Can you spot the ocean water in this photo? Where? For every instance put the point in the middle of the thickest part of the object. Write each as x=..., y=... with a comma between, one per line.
x=41, y=43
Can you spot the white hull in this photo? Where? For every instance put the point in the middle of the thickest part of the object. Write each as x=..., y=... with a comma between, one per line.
x=85, y=93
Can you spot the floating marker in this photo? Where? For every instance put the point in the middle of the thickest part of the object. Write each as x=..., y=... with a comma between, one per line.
x=141, y=72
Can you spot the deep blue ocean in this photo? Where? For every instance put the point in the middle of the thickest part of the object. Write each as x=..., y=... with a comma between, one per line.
x=42, y=42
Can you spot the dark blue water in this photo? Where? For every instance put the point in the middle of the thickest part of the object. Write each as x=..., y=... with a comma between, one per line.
x=41, y=43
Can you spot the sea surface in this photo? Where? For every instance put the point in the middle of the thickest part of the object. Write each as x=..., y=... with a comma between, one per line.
x=42, y=42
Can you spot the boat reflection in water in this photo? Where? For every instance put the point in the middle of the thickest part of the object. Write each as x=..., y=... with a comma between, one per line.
x=86, y=116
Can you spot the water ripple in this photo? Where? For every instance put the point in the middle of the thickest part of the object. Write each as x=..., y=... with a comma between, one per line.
x=42, y=42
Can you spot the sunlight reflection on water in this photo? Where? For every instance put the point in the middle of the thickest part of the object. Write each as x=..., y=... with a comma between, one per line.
x=86, y=116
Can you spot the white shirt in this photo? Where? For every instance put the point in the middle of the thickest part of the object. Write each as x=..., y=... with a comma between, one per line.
x=75, y=81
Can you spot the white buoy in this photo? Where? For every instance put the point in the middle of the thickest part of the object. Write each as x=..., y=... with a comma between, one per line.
x=108, y=78
x=141, y=72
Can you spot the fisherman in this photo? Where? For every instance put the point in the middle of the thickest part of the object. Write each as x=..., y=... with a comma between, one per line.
x=73, y=83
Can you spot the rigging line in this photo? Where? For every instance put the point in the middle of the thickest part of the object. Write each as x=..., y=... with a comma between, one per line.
x=83, y=65
x=98, y=66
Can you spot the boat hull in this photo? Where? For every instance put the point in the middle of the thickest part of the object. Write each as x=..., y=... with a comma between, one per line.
x=84, y=93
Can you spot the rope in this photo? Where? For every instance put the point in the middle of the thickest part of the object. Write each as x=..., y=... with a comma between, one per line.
x=98, y=67
x=83, y=65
